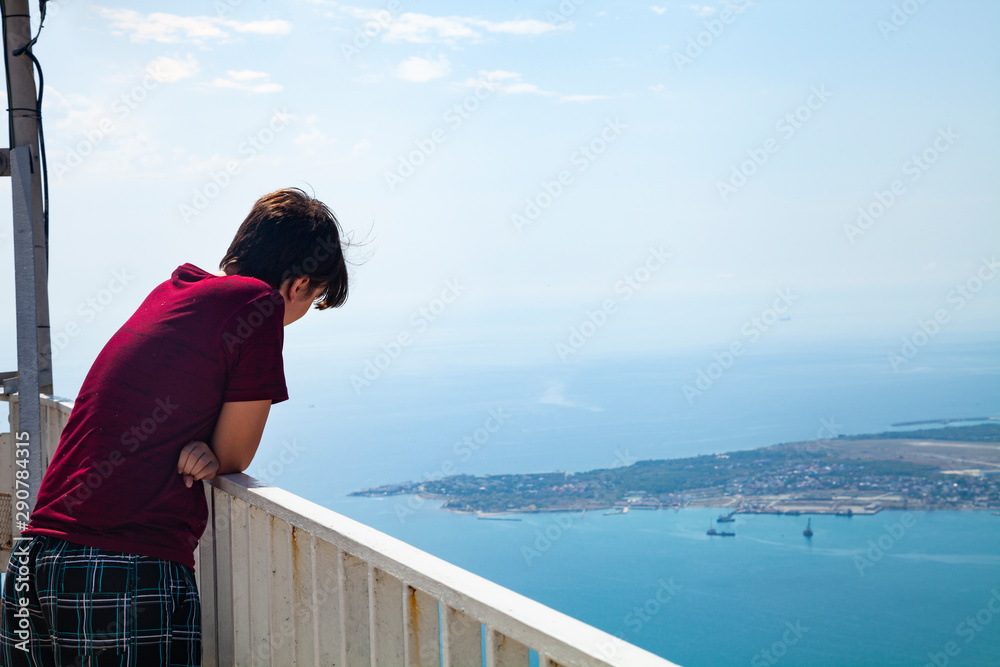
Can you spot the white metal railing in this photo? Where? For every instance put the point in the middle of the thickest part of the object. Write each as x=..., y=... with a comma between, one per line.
x=284, y=581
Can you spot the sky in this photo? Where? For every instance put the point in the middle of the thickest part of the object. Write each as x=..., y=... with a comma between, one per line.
x=535, y=182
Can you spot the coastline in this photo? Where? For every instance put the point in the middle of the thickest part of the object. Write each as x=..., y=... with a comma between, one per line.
x=952, y=468
x=776, y=505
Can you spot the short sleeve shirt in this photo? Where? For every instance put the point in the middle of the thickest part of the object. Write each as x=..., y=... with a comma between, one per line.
x=196, y=342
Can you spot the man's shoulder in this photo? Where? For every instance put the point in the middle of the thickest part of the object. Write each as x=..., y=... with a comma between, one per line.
x=193, y=299
x=189, y=281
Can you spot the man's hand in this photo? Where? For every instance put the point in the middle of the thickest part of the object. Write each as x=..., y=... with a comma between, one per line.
x=197, y=461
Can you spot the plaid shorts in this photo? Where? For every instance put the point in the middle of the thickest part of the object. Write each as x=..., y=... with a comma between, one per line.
x=67, y=605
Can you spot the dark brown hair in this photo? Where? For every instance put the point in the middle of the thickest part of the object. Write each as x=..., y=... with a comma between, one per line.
x=287, y=235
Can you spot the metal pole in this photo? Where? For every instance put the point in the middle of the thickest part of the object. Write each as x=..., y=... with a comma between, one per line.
x=34, y=356
x=24, y=121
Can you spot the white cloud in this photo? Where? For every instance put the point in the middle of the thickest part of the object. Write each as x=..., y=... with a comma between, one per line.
x=520, y=27
x=422, y=70
x=313, y=137
x=702, y=10
x=583, y=98
x=498, y=75
x=246, y=75
x=514, y=87
x=658, y=10
x=249, y=80
x=76, y=113
x=274, y=27
x=511, y=83
x=740, y=8
x=120, y=154
x=521, y=87
x=73, y=114
x=419, y=28
x=361, y=148
x=169, y=70
x=172, y=28
x=423, y=29
x=556, y=395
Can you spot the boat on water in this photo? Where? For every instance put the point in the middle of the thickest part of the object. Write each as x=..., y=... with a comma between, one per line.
x=726, y=518
x=617, y=510
x=808, y=532
x=848, y=512
x=720, y=533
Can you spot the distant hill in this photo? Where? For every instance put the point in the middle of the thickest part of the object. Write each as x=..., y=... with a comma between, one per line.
x=977, y=433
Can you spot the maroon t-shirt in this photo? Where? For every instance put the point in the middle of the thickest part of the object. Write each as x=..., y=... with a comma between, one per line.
x=196, y=342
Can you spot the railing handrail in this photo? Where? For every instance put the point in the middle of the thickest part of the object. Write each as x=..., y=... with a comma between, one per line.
x=513, y=614
x=65, y=405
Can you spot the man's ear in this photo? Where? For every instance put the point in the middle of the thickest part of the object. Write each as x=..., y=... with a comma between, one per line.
x=300, y=288
x=294, y=289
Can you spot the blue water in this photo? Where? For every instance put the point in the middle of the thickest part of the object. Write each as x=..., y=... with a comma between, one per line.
x=655, y=579
x=766, y=597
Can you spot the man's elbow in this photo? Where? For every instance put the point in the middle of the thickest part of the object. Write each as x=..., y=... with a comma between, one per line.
x=229, y=466
x=234, y=454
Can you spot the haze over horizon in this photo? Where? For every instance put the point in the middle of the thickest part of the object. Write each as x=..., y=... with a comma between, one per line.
x=647, y=178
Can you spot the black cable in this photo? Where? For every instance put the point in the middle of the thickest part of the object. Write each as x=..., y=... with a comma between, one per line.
x=6, y=69
x=41, y=151
x=26, y=50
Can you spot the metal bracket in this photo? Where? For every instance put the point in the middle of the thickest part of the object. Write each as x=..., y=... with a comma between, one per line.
x=9, y=381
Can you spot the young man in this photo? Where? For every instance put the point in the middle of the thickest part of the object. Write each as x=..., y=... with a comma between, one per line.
x=179, y=394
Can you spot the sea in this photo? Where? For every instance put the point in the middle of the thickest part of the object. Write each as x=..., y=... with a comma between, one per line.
x=895, y=588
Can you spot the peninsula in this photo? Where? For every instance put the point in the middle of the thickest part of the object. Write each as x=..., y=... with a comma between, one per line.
x=956, y=467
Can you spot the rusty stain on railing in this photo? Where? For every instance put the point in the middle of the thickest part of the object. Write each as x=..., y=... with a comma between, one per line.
x=296, y=555
x=414, y=610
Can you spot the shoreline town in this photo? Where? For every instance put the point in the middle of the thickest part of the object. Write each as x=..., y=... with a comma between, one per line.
x=953, y=468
